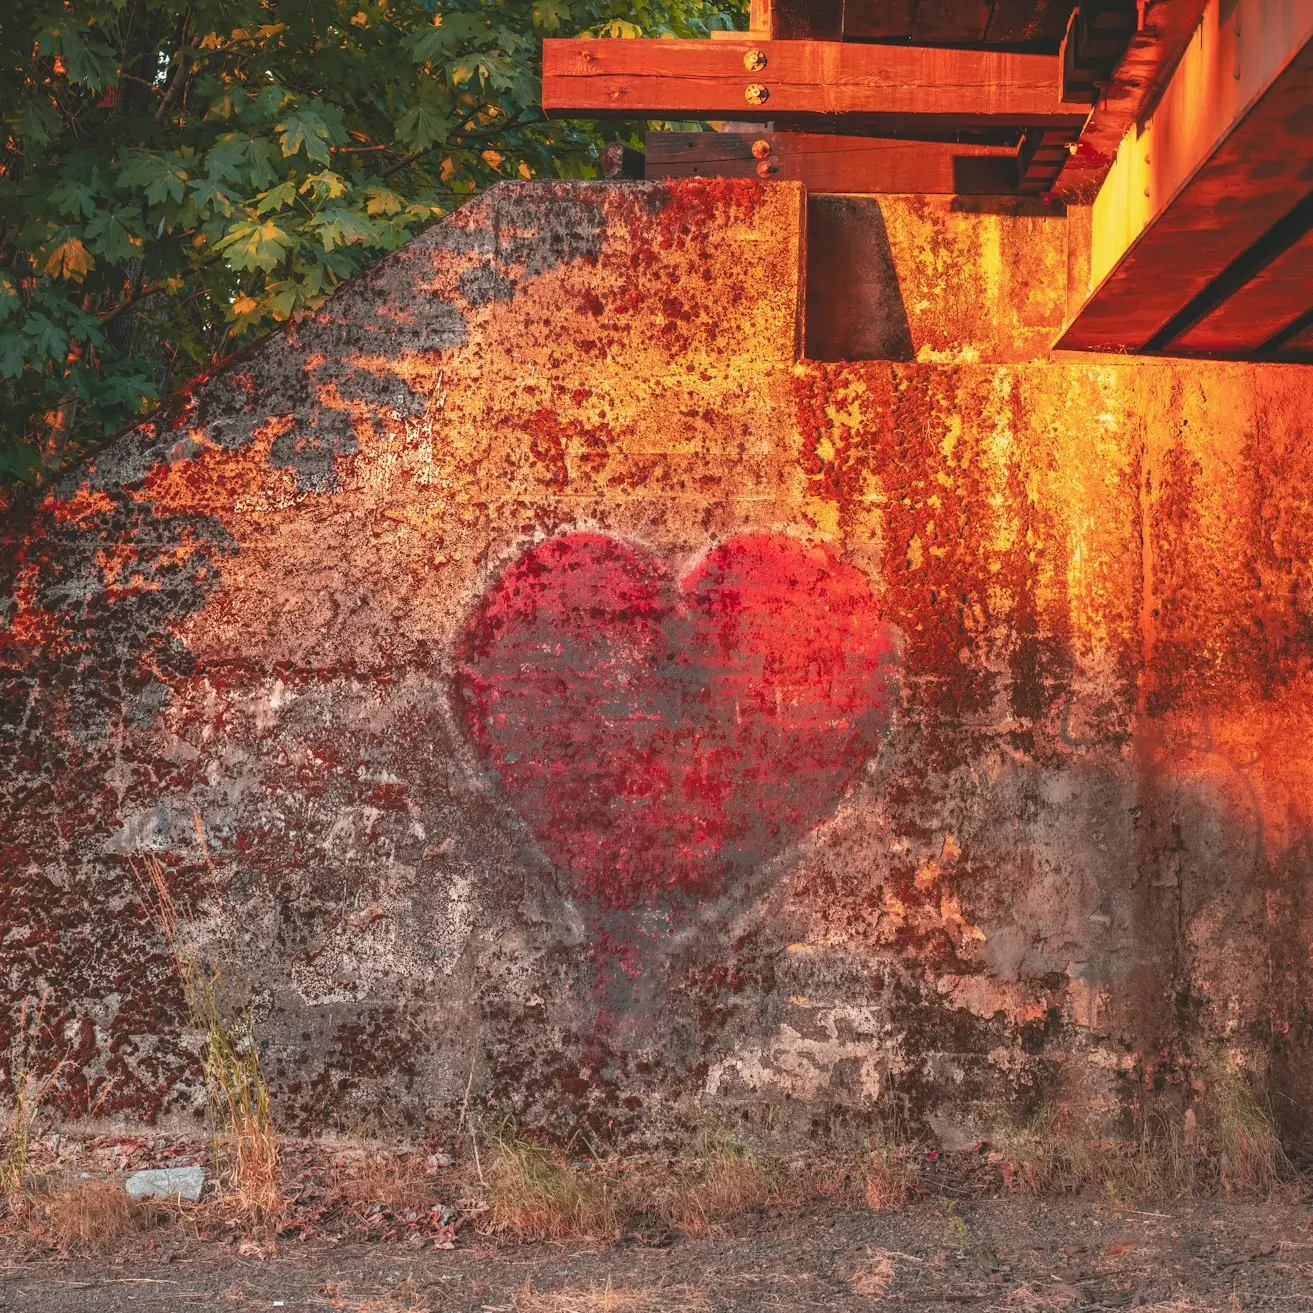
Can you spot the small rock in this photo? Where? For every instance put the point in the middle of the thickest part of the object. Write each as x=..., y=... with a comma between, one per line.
x=167, y=1183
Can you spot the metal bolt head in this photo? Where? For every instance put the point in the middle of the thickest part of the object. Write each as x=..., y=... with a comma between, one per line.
x=760, y=149
x=756, y=94
x=754, y=60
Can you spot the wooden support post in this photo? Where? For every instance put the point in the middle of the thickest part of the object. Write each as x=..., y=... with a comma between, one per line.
x=621, y=161
x=1097, y=36
x=807, y=83
x=794, y=20
x=828, y=163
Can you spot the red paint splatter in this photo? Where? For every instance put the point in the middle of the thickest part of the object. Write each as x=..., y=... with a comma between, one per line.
x=659, y=736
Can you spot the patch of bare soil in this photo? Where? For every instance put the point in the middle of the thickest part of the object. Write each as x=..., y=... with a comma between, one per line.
x=1008, y=1255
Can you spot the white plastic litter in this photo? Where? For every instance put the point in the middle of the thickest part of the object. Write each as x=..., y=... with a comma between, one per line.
x=167, y=1183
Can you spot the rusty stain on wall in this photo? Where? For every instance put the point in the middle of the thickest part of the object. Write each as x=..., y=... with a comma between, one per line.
x=575, y=685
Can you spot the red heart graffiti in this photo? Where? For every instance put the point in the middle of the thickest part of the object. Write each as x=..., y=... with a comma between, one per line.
x=658, y=736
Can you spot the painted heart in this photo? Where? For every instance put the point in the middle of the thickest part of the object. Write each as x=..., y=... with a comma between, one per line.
x=660, y=736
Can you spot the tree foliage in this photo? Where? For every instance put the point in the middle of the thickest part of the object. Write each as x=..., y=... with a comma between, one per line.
x=177, y=178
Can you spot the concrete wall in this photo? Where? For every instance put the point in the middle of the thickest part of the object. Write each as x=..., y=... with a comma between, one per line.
x=532, y=674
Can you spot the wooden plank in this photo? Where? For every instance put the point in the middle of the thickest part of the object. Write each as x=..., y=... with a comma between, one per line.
x=806, y=82
x=1298, y=345
x=1221, y=207
x=875, y=19
x=829, y=163
x=1266, y=305
x=1039, y=23
x=951, y=20
x=1166, y=27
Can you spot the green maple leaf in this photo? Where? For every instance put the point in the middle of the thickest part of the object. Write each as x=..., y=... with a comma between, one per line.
x=422, y=126
x=13, y=356
x=88, y=59
x=250, y=245
x=72, y=195
x=115, y=235
x=269, y=100
x=325, y=186
x=163, y=178
x=46, y=337
x=243, y=158
x=342, y=227
x=382, y=200
x=306, y=129
x=276, y=198
x=431, y=44
x=282, y=299
x=38, y=123
x=208, y=194
x=548, y=15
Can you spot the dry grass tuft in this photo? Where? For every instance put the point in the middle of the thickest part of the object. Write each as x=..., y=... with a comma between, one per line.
x=1229, y=1139
x=889, y=1176
x=1056, y=1155
x=396, y=1180
x=874, y=1277
x=1249, y=1154
x=88, y=1217
x=537, y=1196
x=1043, y=1297
x=30, y=1091
x=733, y=1182
x=608, y=1299
x=238, y=1096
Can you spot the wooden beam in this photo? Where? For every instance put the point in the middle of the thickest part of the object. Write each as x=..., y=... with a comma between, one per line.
x=830, y=163
x=1264, y=306
x=1296, y=343
x=1026, y=22
x=1223, y=160
x=1152, y=54
x=808, y=83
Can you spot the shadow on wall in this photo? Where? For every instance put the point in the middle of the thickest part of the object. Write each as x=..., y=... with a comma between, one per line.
x=946, y=279
x=855, y=307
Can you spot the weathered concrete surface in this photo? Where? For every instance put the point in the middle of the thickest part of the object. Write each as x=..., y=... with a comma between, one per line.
x=582, y=699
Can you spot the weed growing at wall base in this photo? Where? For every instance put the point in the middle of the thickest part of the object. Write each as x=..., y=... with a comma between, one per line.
x=537, y=1196
x=244, y=1144
x=1227, y=1140
x=30, y=1091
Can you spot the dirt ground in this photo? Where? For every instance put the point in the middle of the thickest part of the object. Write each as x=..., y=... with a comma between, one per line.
x=1010, y=1254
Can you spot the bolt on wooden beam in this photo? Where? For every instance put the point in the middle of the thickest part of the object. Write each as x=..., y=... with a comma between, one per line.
x=809, y=83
